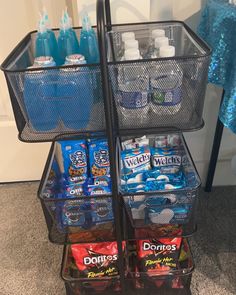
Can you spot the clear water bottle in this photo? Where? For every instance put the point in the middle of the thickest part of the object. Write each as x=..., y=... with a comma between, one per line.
x=39, y=95
x=159, y=42
x=166, y=84
x=157, y=33
x=133, y=86
x=75, y=93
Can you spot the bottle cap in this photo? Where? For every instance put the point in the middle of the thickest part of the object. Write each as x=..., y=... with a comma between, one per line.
x=75, y=59
x=161, y=41
x=128, y=36
x=43, y=61
x=167, y=51
x=132, y=54
x=158, y=33
x=131, y=43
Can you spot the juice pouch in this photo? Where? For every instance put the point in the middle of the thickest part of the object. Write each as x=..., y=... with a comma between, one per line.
x=74, y=155
x=99, y=158
x=96, y=260
x=166, y=157
x=158, y=256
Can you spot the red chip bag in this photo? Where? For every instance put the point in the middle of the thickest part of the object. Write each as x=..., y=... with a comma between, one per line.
x=158, y=256
x=97, y=260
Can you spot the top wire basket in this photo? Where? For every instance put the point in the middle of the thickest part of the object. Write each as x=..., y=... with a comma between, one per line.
x=147, y=94
x=150, y=91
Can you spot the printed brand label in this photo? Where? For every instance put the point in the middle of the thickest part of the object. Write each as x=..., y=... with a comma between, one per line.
x=133, y=100
x=159, y=161
x=101, y=158
x=98, y=260
x=78, y=159
x=167, y=97
x=135, y=161
x=153, y=247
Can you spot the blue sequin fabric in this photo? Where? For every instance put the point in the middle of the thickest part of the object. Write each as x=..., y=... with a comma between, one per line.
x=218, y=29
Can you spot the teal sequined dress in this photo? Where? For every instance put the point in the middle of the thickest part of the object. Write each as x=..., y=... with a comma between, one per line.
x=218, y=29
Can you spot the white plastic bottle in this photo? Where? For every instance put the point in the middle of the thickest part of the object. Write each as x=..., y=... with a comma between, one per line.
x=133, y=88
x=159, y=42
x=125, y=37
x=166, y=84
x=157, y=33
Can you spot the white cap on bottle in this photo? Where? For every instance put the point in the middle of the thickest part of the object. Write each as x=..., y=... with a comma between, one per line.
x=161, y=41
x=131, y=43
x=132, y=54
x=158, y=33
x=127, y=36
x=167, y=51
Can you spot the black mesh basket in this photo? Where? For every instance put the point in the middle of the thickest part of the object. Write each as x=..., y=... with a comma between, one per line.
x=49, y=102
x=159, y=92
x=60, y=101
x=154, y=211
x=169, y=283
x=71, y=219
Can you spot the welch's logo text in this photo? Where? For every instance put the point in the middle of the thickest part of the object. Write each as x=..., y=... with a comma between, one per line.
x=135, y=161
x=159, y=161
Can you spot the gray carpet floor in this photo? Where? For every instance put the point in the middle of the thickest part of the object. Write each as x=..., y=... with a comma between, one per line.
x=30, y=265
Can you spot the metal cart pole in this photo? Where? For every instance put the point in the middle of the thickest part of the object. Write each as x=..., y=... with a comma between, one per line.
x=215, y=152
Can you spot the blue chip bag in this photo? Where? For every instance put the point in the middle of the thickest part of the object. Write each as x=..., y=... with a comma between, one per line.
x=75, y=158
x=99, y=158
x=136, y=160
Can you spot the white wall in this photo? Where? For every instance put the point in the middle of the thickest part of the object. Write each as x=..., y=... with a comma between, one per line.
x=19, y=161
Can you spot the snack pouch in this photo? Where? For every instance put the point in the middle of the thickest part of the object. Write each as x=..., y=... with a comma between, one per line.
x=75, y=159
x=158, y=256
x=102, y=211
x=76, y=213
x=96, y=260
x=136, y=160
x=99, y=158
x=166, y=157
x=73, y=191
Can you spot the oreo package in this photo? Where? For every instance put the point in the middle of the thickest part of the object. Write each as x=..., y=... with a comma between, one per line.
x=99, y=158
x=75, y=159
x=158, y=256
x=96, y=260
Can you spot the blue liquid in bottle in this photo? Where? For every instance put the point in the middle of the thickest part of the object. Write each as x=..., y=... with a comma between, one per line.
x=52, y=38
x=88, y=42
x=67, y=41
x=75, y=93
x=39, y=95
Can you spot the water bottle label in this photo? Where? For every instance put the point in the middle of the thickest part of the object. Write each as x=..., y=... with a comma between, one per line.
x=168, y=97
x=133, y=100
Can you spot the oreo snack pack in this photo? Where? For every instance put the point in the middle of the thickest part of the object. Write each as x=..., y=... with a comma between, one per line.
x=99, y=158
x=158, y=257
x=97, y=186
x=75, y=213
x=102, y=211
x=75, y=165
x=96, y=260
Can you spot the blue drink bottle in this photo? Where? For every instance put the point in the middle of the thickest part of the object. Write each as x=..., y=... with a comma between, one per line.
x=75, y=93
x=67, y=41
x=88, y=42
x=39, y=95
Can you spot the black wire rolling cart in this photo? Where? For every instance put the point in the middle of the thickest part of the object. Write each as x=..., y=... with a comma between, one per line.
x=192, y=57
